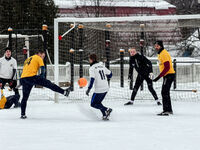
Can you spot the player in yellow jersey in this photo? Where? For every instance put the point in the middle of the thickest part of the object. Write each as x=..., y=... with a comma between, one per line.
x=168, y=74
x=29, y=78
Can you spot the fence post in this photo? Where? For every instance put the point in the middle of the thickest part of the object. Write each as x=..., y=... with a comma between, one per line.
x=193, y=72
x=131, y=80
x=175, y=69
x=16, y=46
x=72, y=68
x=122, y=67
x=80, y=46
x=10, y=30
x=80, y=63
x=142, y=26
x=107, y=47
x=72, y=36
x=107, y=54
x=44, y=33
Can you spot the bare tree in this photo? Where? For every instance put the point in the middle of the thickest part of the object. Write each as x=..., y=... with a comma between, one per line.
x=186, y=6
x=94, y=8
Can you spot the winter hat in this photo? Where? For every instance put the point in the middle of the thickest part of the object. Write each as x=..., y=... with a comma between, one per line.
x=7, y=48
x=159, y=42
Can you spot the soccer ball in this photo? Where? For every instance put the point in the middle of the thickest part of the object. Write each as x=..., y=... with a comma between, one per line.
x=82, y=82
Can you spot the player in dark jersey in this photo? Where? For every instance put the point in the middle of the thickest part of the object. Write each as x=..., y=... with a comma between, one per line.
x=143, y=66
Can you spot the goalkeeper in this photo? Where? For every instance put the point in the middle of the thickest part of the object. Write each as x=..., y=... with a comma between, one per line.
x=143, y=66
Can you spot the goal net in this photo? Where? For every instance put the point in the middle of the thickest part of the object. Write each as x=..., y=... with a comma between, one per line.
x=23, y=46
x=111, y=38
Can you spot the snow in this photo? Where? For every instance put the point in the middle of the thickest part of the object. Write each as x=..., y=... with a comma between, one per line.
x=158, y=4
x=76, y=126
x=194, y=39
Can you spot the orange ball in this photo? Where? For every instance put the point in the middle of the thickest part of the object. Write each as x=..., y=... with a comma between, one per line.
x=82, y=82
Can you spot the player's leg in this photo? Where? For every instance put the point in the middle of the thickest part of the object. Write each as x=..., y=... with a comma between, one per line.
x=96, y=102
x=138, y=83
x=48, y=84
x=167, y=107
x=151, y=89
x=13, y=99
x=108, y=111
x=26, y=89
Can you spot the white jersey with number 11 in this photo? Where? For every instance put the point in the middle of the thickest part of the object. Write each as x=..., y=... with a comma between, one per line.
x=99, y=72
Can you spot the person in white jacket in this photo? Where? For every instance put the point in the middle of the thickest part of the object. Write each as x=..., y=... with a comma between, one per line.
x=8, y=69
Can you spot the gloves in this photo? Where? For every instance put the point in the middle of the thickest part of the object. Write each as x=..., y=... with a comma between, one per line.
x=156, y=79
x=87, y=92
x=151, y=76
x=11, y=83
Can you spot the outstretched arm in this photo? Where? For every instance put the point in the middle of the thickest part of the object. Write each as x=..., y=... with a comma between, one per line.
x=165, y=70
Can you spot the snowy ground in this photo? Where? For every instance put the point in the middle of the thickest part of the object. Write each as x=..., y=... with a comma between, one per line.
x=76, y=126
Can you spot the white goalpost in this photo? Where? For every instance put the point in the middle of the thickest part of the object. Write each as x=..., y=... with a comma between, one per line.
x=118, y=33
x=21, y=36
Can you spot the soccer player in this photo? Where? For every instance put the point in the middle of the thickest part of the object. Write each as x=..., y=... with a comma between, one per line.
x=7, y=102
x=8, y=68
x=143, y=66
x=99, y=76
x=29, y=78
x=168, y=74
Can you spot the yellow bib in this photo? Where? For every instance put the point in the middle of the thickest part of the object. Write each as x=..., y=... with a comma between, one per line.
x=163, y=57
x=31, y=66
x=3, y=100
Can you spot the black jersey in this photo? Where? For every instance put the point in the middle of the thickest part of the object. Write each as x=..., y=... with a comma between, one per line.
x=141, y=64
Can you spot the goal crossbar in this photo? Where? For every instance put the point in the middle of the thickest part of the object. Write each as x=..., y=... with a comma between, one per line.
x=132, y=18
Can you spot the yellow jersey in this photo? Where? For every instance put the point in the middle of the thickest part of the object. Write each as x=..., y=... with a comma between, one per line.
x=163, y=57
x=3, y=100
x=31, y=66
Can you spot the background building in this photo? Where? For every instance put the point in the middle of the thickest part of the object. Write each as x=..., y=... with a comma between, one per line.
x=85, y=8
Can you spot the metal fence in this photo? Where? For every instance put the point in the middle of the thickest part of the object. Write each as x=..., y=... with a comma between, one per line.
x=185, y=87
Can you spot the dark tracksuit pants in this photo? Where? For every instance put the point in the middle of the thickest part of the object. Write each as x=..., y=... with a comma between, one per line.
x=96, y=102
x=13, y=99
x=29, y=82
x=138, y=83
x=13, y=86
x=166, y=100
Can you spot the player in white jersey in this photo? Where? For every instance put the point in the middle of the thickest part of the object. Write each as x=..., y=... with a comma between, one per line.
x=8, y=69
x=99, y=76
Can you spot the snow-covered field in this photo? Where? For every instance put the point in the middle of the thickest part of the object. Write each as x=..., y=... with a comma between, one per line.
x=76, y=126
